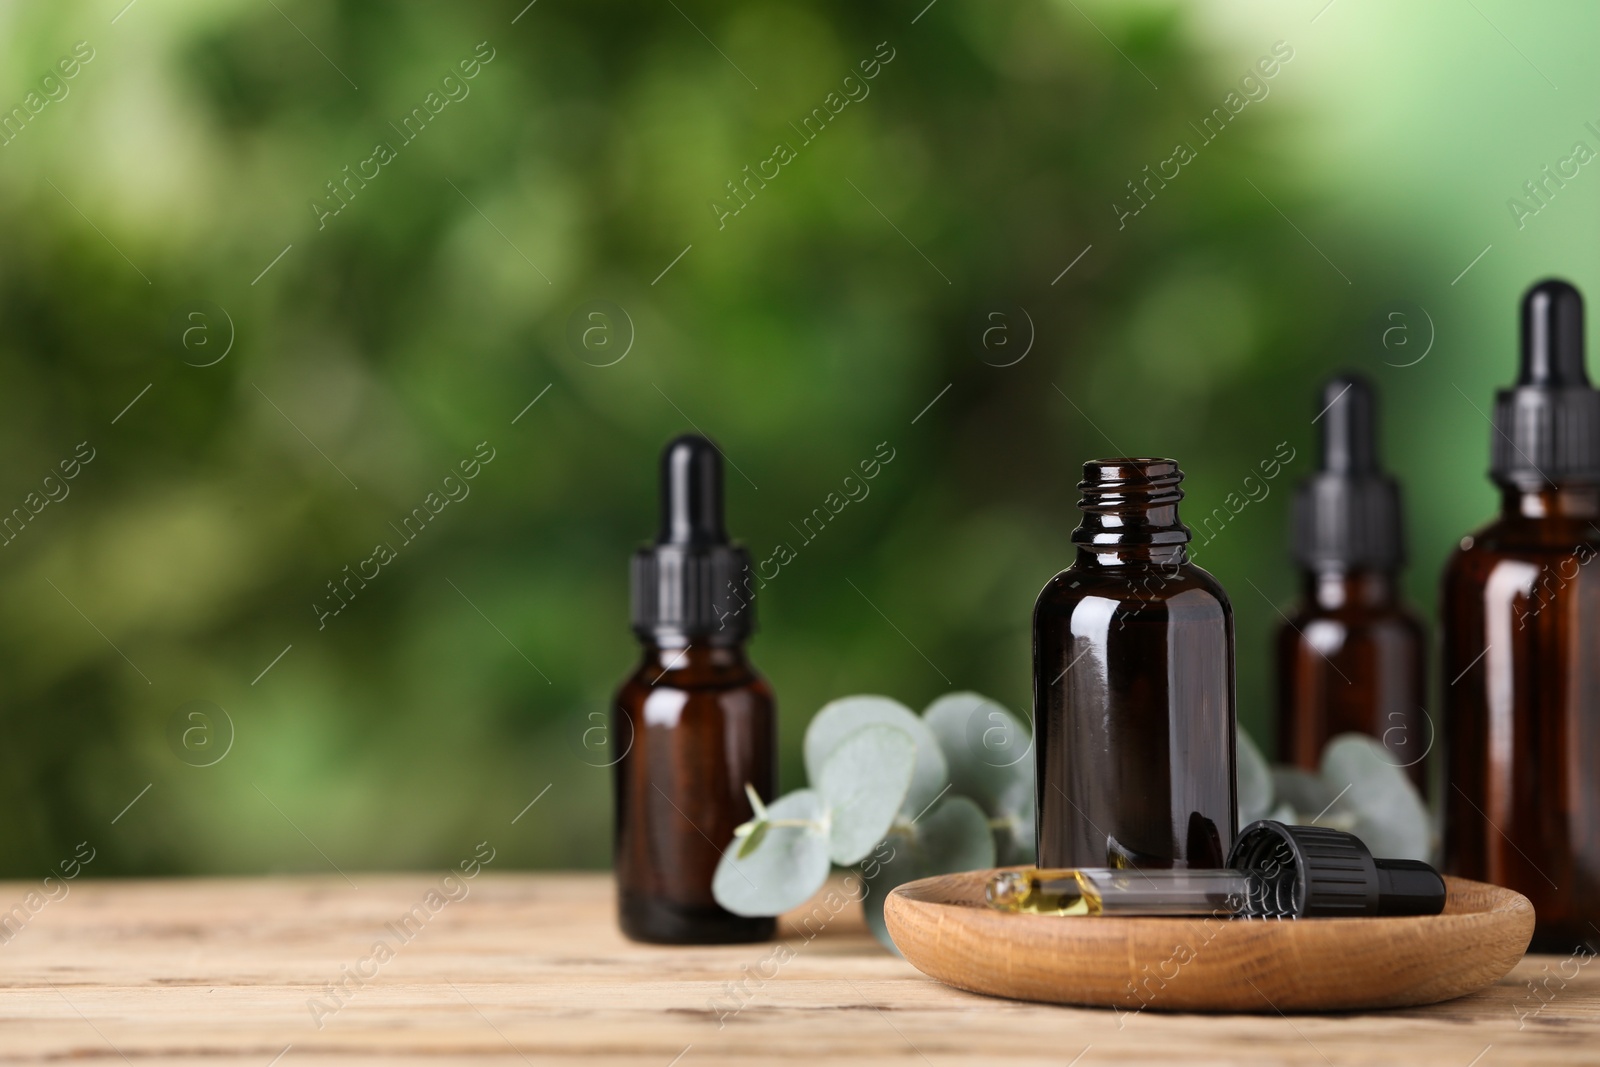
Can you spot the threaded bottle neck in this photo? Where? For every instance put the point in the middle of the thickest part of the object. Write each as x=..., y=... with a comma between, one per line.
x=1130, y=504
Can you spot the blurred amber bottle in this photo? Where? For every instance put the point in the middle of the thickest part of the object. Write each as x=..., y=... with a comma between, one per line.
x=1351, y=656
x=1521, y=617
x=696, y=723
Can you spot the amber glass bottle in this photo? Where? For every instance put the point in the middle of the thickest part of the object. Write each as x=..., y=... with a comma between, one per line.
x=695, y=722
x=1351, y=657
x=1521, y=617
x=1133, y=686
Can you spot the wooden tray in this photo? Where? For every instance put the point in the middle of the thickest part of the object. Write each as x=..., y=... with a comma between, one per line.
x=945, y=929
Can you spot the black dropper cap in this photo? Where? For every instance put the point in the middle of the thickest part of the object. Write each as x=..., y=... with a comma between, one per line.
x=1303, y=872
x=1346, y=516
x=1547, y=425
x=691, y=584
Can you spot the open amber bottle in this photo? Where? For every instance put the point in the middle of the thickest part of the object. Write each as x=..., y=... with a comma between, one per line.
x=1133, y=686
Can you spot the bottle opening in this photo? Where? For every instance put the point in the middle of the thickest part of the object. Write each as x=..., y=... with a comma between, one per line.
x=1130, y=471
x=1130, y=500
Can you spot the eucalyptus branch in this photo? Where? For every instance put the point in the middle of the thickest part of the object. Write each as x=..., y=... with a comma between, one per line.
x=892, y=794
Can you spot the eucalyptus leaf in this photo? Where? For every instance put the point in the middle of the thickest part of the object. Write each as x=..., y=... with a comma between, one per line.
x=752, y=840
x=1285, y=814
x=840, y=718
x=1390, y=816
x=785, y=868
x=953, y=836
x=895, y=864
x=1303, y=792
x=949, y=840
x=1254, y=780
x=988, y=750
x=1014, y=839
x=863, y=782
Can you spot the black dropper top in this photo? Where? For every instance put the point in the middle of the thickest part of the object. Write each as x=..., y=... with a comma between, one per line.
x=691, y=493
x=1547, y=425
x=1347, y=514
x=1303, y=872
x=692, y=583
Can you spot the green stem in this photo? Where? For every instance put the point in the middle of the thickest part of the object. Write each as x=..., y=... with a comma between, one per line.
x=756, y=806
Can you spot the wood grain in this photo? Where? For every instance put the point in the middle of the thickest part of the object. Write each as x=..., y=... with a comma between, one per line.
x=530, y=969
x=1212, y=964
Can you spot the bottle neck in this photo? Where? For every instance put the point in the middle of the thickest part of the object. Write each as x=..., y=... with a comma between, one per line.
x=1168, y=556
x=1551, y=502
x=1331, y=590
x=680, y=655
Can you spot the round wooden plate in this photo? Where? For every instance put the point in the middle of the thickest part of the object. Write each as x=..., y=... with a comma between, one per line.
x=946, y=930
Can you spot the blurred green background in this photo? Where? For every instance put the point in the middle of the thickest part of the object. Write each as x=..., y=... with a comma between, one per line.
x=337, y=372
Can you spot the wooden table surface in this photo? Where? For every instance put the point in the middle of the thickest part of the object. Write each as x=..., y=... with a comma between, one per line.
x=530, y=969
